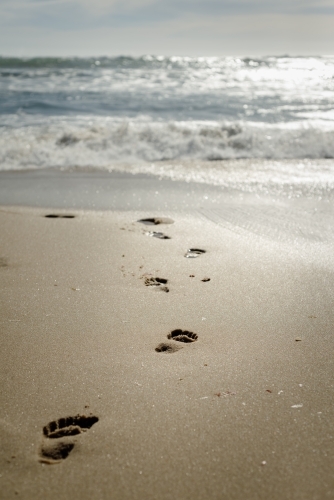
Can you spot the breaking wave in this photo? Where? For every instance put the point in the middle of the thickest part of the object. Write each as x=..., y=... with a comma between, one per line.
x=103, y=142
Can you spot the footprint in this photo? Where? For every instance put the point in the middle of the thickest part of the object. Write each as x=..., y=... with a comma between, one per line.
x=157, y=282
x=156, y=220
x=56, y=216
x=182, y=336
x=167, y=347
x=192, y=253
x=56, y=451
x=155, y=234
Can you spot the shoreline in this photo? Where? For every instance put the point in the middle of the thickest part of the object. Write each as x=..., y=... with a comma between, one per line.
x=284, y=179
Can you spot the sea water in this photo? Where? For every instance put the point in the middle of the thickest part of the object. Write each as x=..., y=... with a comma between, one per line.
x=243, y=120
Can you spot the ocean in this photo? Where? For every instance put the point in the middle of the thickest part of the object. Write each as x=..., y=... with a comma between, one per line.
x=151, y=112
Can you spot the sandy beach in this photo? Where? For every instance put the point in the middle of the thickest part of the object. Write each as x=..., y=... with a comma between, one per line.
x=238, y=403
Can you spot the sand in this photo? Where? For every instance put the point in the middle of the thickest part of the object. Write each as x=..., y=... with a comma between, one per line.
x=243, y=411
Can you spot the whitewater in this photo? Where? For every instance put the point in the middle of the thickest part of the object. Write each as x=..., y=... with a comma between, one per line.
x=244, y=120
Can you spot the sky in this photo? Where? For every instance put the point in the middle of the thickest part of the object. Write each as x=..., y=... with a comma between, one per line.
x=166, y=27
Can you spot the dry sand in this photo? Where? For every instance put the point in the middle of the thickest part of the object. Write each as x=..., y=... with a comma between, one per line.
x=243, y=412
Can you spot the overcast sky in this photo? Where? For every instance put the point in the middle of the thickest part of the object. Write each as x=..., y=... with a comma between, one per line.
x=167, y=27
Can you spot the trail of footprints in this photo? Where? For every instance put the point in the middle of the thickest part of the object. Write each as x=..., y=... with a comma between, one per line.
x=178, y=335
x=58, y=440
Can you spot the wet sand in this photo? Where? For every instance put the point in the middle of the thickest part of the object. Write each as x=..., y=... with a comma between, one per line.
x=242, y=408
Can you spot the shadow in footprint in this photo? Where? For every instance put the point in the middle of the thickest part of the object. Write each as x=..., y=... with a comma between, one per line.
x=161, y=236
x=158, y=283
x=55, y=451
x=182, y=336
x=153, y=221
x=167, y=347
x=192, y=253
x=57, y=216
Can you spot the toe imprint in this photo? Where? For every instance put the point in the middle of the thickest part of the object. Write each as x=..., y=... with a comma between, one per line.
x=182, y=336
x=69, y=426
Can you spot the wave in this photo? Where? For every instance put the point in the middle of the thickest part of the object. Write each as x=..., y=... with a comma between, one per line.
x=154, y=61
x=104, y=142
x=126, y=62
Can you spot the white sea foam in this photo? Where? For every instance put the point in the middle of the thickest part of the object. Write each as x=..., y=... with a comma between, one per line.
x=293, y=157
x=103, y=142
